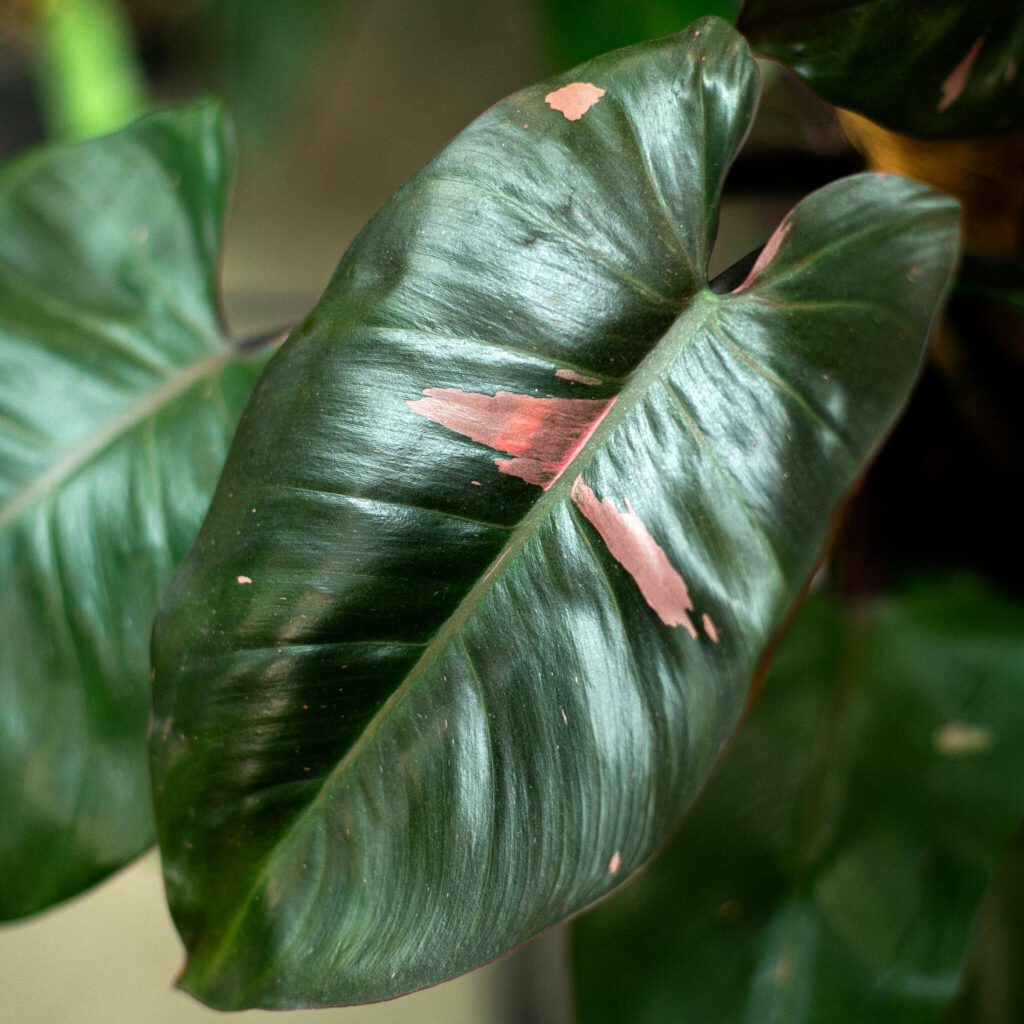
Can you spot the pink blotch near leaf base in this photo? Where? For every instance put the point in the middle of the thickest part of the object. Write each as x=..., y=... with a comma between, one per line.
x=955, y=83
x=574, y=100
x=576, y=378
x=768, y=253
x=633, y=547
x=542, y=434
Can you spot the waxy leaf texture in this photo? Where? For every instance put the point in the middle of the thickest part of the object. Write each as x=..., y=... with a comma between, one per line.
x=518, y=510
x=934, y=68
x=119, y=394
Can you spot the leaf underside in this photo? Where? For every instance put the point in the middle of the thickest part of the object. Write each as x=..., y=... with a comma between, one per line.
x=833, y=868
x=118, y=396
x=494, y=639
x=939, y=69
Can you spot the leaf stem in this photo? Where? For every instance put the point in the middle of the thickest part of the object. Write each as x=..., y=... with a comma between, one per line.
x=88, y=75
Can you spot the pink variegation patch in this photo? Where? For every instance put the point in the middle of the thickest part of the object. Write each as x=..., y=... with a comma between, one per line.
x=573, y=101
x=543, y=435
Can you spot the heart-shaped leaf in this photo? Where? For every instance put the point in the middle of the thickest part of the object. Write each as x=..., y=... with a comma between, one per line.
x=953, y=68
x=832, y=870
x=118, y=396
x=521, y=506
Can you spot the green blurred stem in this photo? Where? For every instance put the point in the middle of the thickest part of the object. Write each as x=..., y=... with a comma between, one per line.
x=89, y=78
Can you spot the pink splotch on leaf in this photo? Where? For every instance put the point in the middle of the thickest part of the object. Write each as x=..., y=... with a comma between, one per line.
x=633, y=547
x=574, y=100
x=542, y=434
x=768, y=253
x=709, y=627
x=956, y=81
x=576, y=378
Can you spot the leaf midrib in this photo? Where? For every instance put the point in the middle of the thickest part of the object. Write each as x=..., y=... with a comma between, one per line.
x=650, y=371
x=74, y=459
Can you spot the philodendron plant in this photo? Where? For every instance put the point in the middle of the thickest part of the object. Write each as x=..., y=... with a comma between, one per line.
x=505, y=536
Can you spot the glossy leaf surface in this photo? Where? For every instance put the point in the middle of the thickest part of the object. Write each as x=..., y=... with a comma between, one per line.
x=832, y=870
x=938, y=68
x=443, y=714
x=118, y=396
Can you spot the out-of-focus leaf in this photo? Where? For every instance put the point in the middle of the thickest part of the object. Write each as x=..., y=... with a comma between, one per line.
x=464, y=696
x=937, y=68
x=580, y=29
x=993, y=988
x=118, y=396
x=263, y=55
x=997, y=281
x=832, y=871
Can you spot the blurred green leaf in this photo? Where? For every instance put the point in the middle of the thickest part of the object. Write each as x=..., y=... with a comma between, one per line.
x=265, y=55
x=118, y=396
x=995, y=280
x=444, y=714
x=993, y=992
x=937, y=68
x=833, y=869
x=580, y=29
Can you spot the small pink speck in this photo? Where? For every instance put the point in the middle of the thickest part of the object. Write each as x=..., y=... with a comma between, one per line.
x=615, y=863
x=709, y=627
x=574, y=100
x=244, y=579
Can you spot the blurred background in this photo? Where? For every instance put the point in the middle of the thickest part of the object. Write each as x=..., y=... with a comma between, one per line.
x=335, y=103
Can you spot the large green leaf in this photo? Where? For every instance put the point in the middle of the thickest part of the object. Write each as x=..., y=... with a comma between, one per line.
x=118, y=396
x=464, y=696
x=833, y=868
x=943, y=68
